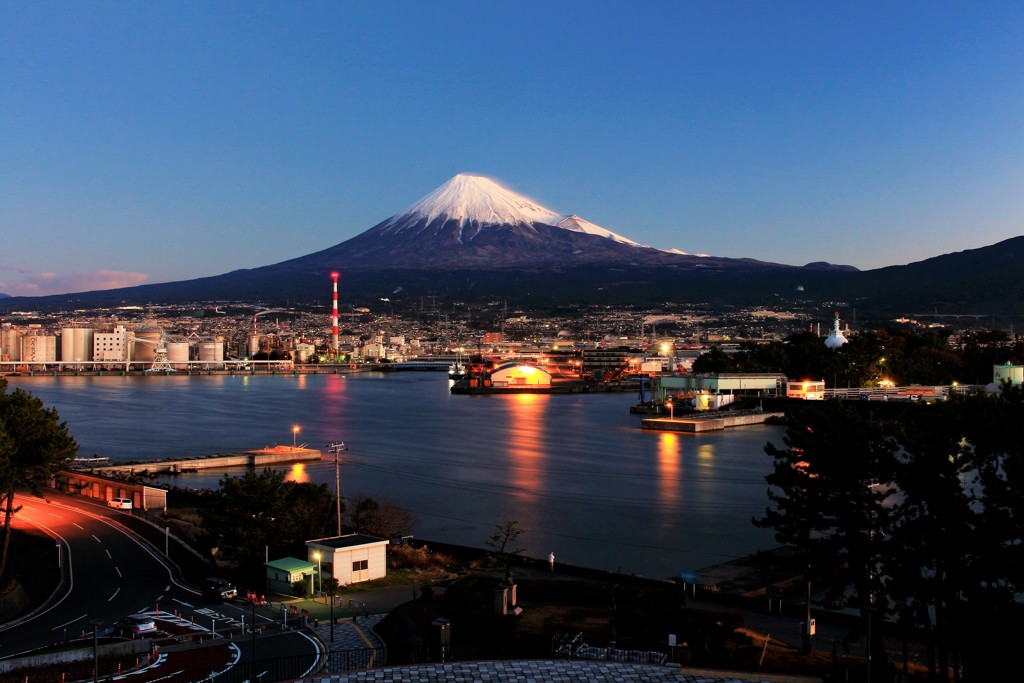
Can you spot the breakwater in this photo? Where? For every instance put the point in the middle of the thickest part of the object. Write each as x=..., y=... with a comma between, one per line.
x=267, y=456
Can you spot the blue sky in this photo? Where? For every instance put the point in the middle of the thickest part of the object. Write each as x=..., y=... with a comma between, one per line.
x=157, y=141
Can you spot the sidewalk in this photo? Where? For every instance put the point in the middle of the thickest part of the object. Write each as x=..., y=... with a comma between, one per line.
x=355, y=614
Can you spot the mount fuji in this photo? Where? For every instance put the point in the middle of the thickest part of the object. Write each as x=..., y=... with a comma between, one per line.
x=473, y=221
x=473, y=240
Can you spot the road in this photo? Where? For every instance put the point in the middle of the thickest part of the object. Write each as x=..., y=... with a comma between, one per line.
x=109, y=572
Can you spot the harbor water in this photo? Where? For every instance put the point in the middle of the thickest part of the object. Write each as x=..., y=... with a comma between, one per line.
x=575, y=471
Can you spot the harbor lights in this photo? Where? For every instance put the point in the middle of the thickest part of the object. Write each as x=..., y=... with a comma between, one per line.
x=319, y=572
x=295, y=435
x=671, y=409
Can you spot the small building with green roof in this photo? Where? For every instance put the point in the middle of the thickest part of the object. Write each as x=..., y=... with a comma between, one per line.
x=281, y=574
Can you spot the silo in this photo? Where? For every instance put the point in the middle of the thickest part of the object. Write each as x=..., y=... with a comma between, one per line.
x=178, y=354
x=76, y=344
x=211, y=353
x=146, y=343
x=39, y=348
x=10, y=343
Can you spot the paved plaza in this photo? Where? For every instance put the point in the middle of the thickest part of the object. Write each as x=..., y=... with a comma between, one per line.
x=546, y=671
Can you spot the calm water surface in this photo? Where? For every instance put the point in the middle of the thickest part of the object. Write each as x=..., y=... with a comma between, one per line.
x=576, y=471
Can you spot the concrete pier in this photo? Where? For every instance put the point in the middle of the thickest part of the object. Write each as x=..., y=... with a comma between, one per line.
x=706, y=423
x=258, y=457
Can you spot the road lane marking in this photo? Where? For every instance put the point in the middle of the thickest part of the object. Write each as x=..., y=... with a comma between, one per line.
x=97, y=539
x=79, y=526
x=119, y=574
x=108, y=553
x=115, y=593
x=68, y=623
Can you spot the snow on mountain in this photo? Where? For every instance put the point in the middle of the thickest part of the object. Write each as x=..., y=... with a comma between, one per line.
x=480, y=201
x=471, y=198
x=577, y=224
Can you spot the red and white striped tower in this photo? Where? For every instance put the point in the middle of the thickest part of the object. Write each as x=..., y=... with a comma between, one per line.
x=334, y=313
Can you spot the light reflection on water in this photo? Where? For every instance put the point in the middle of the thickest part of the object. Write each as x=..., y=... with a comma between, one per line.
x=576, y=471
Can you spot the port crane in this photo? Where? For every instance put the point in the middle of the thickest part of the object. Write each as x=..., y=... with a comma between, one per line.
x=160, y=362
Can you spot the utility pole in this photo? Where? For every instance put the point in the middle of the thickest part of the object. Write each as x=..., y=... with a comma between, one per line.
x=337, y=447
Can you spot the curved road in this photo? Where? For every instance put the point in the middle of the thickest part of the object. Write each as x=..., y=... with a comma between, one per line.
x=110, y=573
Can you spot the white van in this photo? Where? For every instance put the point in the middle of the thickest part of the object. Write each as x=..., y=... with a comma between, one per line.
x=120, y=503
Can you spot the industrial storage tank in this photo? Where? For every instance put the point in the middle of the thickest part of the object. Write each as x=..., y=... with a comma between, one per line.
x=211, y=353
x=10, y=343
x=39, y=348
x=76, y=344
x=178, y=354
x=146, y=343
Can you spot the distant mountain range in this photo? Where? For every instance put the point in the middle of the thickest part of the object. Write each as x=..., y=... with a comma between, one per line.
x=473, y=240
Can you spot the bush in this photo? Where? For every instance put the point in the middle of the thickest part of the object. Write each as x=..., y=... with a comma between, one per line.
x=407, y=557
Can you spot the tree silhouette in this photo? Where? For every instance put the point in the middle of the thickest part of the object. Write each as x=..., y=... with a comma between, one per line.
x=34, y=446
x=502, y=543
x=829, y=489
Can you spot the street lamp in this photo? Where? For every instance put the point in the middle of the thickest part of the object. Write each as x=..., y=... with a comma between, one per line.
x=295, y=435
x=95, y=661
x=671, y=409
x=319, y=570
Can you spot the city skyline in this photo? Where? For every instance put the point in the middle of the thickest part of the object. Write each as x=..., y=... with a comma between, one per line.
x=161, y=142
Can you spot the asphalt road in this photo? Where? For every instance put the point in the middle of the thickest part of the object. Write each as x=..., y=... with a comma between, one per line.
x=110, y=572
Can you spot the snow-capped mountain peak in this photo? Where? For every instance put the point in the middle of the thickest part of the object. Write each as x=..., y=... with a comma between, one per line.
x=577, y=224
x=473, y=198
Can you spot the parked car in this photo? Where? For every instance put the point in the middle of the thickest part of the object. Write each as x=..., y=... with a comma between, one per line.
x=135, y=624
x=120, y=503
x=215, y=588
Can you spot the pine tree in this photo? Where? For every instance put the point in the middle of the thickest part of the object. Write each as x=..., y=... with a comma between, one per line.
x=34, y=446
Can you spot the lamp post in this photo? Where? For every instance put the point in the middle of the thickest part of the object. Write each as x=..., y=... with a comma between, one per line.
x=671, y=409
x=319, y=571
x=95, y=648
x=295, y=435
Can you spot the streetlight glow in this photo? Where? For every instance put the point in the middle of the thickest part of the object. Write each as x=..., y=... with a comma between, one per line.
x=295, y=434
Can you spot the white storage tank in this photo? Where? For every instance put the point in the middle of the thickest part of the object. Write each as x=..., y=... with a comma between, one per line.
x=178, y=354
x=211, y=353
x=76, y=344
x=10, y=343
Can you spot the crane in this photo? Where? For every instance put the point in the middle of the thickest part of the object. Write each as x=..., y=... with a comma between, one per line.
x=160, y=362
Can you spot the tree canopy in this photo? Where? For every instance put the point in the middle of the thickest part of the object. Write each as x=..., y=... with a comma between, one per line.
x=260, y=513
x=34, y=446
x=870, y=357
x=918, y=518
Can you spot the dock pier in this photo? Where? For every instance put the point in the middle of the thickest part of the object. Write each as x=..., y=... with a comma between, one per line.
x=707, y=422
x=257, y=457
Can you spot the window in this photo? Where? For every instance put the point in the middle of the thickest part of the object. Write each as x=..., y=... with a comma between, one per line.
x=360, y=565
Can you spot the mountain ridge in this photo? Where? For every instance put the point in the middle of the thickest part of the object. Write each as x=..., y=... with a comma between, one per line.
x=472, y=238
